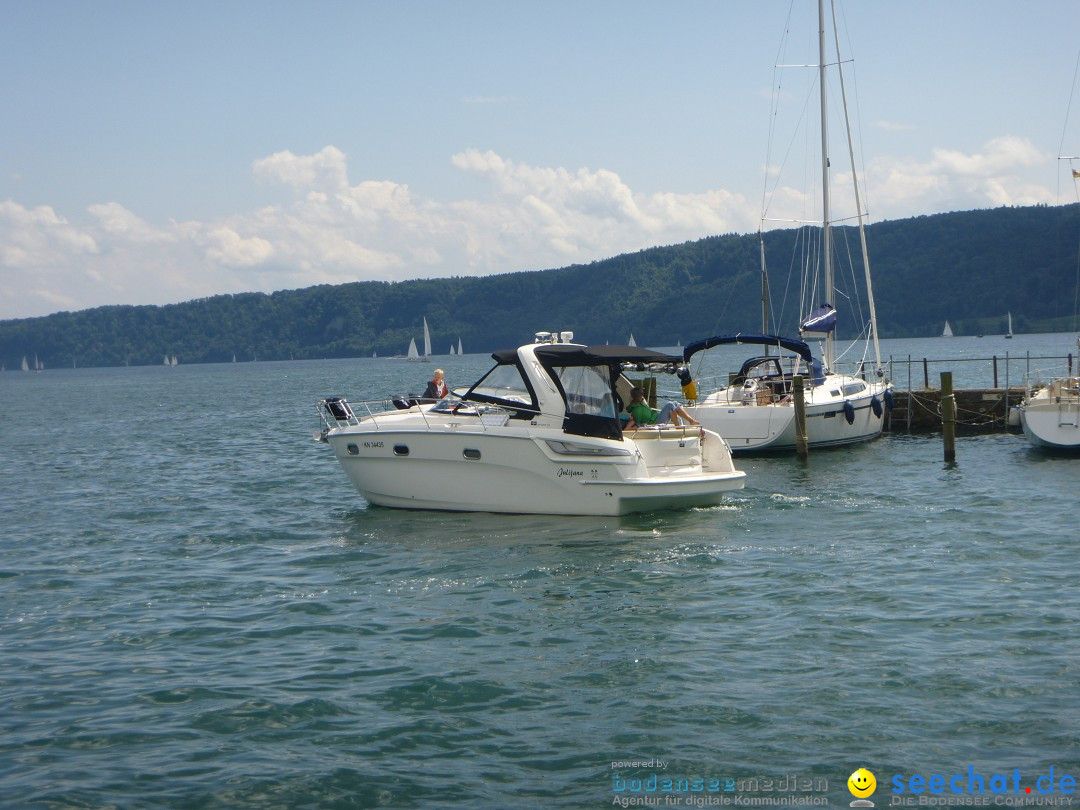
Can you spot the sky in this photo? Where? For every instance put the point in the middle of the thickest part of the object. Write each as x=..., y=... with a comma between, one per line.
x=156, y=152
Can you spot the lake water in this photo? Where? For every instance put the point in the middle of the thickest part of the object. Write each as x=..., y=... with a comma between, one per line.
x=200, y=612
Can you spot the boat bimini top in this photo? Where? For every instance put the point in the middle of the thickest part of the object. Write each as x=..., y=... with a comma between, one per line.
x=577, y=384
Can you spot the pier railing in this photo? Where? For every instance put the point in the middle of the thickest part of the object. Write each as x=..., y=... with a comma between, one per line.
x=996, y=371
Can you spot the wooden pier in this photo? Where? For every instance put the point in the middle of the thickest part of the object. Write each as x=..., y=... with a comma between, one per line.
x=978, y=410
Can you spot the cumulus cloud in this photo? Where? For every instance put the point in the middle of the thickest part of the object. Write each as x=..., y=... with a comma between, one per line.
x=525, y=217
x=325, y=168
x=955, y=180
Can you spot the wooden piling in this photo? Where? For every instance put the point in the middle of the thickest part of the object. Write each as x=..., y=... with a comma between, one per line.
x=801, y=446
x=648, y=390
x=948, y=415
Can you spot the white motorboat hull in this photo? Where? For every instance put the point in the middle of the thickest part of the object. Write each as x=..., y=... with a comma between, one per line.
x=1051, y=417
x=751, y=424
x=468, y=467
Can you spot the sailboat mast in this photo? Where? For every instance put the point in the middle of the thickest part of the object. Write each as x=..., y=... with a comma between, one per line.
x=826, y=238
x=858, y=199
x=764, y=290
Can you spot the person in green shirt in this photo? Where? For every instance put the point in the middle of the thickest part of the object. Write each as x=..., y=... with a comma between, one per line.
x=642, y=414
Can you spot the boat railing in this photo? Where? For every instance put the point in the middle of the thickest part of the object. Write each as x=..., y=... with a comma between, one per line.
x=337, y=412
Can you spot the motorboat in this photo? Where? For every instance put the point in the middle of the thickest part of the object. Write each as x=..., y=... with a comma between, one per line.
x=756, y=410
x=539, y=433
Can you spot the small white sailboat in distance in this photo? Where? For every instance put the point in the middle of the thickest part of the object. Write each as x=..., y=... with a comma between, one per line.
x=426, y=358
x=413, y=355
x=631, y=342
x=459, y=347
x=1009, y=334
x=25, y=365
x=947, y=332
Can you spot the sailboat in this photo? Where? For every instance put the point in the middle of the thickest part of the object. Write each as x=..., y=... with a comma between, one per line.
x=426, y=357
x=459, y=347
x=631, y=341
x=1009, y=334
x=1050, y=414
x=947, y=332
x=755, y=410
x=25, y=365
x=413, y=355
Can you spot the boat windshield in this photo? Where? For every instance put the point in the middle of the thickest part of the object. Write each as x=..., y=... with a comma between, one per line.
x=504, y=385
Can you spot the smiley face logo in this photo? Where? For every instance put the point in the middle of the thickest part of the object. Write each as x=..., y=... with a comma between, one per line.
x=862, y=783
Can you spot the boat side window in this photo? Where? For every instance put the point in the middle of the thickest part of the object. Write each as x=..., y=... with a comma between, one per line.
x=854, y=388
x=587, y=390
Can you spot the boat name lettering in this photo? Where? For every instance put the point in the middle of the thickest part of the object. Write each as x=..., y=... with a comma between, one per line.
x=565, y=471
x=373, y=444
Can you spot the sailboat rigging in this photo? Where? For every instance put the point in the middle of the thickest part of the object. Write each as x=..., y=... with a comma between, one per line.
x=755, y=410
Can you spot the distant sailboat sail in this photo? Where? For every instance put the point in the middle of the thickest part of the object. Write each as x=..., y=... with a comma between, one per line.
x=947, y=332
x=631, y=342
x=414, y=355
x=459, y=347
x=427, y=341
x=1009, y=334
x=25, y=365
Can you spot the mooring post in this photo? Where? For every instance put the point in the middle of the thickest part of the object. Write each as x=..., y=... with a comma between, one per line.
x=948, y=415
x=925, y=375
x=910, y=395
x=995, y=371
x=801, y=447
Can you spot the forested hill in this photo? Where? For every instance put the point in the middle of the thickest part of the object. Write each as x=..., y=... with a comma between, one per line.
x=970, y=268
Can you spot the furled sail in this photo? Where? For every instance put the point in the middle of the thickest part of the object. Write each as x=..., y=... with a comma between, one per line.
x=822, y=319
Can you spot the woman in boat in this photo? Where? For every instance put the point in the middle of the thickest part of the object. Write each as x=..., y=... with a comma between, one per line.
x=642, y=414
x=436, y=387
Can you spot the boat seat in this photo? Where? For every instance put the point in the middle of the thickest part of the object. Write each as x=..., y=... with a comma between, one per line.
x=339, y=409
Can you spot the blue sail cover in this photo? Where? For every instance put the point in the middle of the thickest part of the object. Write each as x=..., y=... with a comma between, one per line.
x=822, y=319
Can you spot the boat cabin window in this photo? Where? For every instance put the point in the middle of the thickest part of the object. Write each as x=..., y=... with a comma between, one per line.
x=854, y=388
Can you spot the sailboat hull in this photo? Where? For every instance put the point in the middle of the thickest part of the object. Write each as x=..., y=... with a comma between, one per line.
x=1051, y=417
x=759, y=424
